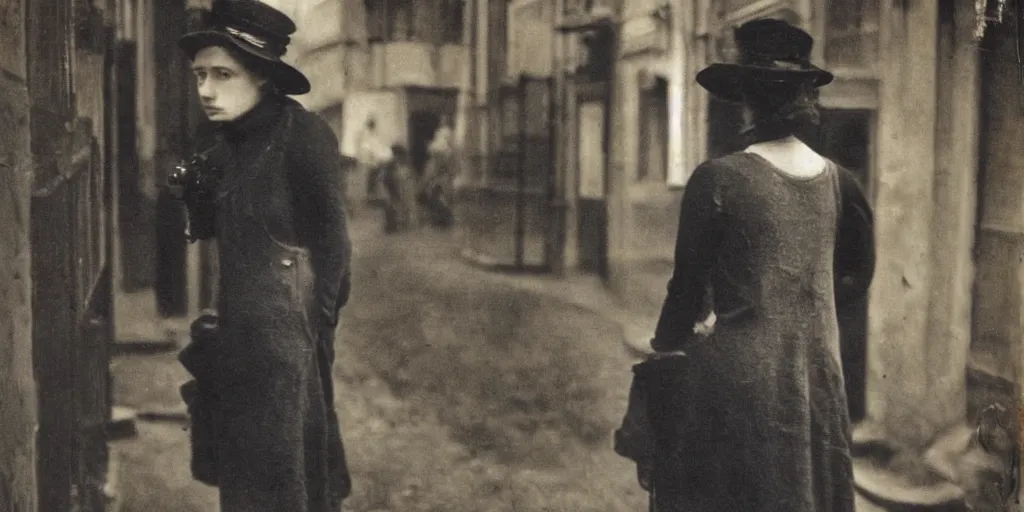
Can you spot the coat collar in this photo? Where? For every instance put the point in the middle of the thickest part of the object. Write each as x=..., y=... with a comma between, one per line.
x=259, y=120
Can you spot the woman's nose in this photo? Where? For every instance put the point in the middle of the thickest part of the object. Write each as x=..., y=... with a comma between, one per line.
x=206, y=91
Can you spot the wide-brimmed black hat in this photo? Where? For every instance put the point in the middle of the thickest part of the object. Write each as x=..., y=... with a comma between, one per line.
x=768, y=50
x=255, y=28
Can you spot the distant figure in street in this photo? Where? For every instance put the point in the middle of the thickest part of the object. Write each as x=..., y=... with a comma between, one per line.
x=373, y=154
x=263, y=387
x=400, y=186
x=753, y=416
x=437, y=186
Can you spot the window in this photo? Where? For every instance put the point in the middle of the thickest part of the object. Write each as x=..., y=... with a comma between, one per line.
x=427, y=21
x=844, y=136
x=376, y=20
x=653, y=119
x=851, y=33
x=452, y=14
x=509, y=119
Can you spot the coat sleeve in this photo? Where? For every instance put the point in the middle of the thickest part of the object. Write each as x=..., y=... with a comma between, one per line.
x=697, y=242
x=854, y=262
x=317, y=180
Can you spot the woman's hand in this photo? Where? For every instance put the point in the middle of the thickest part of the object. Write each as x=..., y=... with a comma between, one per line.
x=643, y=475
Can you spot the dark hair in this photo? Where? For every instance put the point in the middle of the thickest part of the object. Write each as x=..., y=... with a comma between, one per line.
x=781, y=109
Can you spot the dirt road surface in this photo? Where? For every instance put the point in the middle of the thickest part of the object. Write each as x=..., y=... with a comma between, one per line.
x=457, y=392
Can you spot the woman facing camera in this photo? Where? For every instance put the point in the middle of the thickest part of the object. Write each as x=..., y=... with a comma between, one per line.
x=273, y=181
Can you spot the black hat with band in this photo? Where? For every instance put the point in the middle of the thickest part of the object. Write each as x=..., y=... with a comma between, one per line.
x=769, y=51
x=258, y=30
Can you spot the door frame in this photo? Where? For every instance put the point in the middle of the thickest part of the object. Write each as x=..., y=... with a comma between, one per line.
x=587, y=92
x=440, y=101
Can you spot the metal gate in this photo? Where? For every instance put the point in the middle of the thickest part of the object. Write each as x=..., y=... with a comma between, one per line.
x=525, y=156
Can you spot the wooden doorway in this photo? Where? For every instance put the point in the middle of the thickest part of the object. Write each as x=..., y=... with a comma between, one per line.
x=592, y=163
x=846, y=136
x=427, y=108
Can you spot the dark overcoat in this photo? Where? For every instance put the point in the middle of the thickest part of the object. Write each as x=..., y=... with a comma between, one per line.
x=284, y=255
x=755, y=418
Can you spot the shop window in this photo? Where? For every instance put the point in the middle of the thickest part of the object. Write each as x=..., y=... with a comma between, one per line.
x=652, y=164
x=851, y=33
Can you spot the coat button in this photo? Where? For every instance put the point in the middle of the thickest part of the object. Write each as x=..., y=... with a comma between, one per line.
x=287, y=262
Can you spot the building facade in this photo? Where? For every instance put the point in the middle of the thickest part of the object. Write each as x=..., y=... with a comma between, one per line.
x=405, y=64
x=925, y=119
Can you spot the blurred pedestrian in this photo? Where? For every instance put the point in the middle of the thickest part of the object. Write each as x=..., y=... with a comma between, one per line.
x=373, y=154
x=400, y=208
x=284, y=255
x=753, y=416
x=437, y=186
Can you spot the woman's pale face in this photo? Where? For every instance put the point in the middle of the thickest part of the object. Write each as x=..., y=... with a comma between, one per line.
x=227, y=90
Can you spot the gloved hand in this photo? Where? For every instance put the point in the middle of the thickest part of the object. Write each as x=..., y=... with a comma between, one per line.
x=643, y=475
x=343, y=293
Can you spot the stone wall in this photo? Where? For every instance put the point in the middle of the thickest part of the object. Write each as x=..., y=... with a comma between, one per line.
x=17, y=385
x=654, y=219
x=644, y=211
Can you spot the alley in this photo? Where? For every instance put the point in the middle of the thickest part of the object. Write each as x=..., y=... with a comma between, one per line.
x=459, y=392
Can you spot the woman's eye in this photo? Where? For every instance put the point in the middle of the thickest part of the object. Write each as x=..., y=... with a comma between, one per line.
x=223, y=75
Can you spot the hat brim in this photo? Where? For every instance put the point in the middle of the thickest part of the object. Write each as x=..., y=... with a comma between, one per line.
x=726, y=80
x=287, y=78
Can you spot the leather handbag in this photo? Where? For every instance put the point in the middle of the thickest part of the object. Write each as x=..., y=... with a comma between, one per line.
x=200, y=396
x=636, y=437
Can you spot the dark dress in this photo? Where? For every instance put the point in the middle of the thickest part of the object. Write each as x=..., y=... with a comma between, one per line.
x=763, y=422
x=284, y=257
x=400, y=201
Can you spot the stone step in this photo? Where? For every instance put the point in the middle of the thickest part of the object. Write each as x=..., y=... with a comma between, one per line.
x=166, y=414
x=122, y=423
x=141, y=345
x=906, y=489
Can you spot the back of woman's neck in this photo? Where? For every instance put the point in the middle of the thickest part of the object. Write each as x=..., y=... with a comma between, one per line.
x=789, y=154
x=789, y=141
